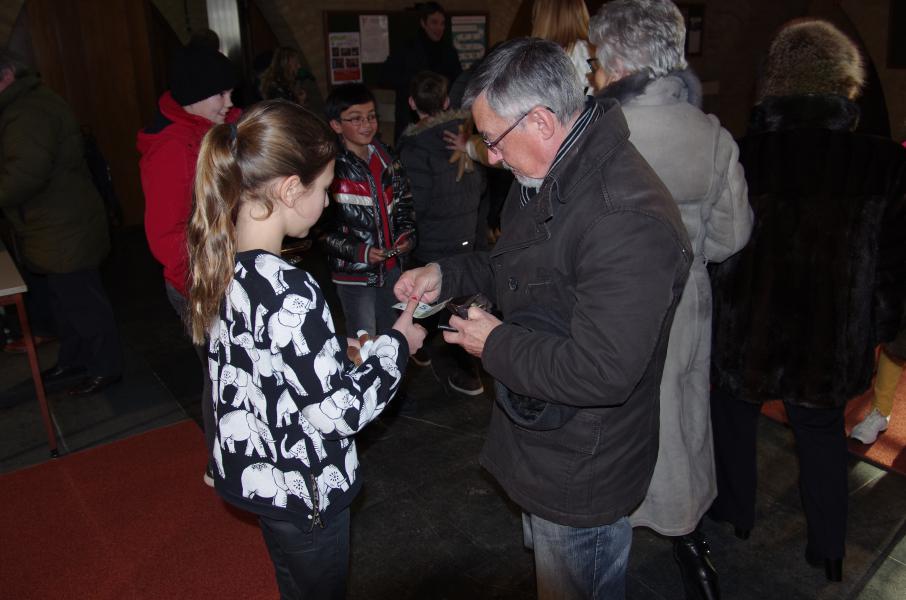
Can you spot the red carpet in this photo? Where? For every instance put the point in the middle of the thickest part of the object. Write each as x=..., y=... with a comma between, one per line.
x=889, y=451
x=131, y=519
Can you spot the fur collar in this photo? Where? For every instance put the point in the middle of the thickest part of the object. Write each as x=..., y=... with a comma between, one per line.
x=813, y=111
x=689, y=88
x=438, y=119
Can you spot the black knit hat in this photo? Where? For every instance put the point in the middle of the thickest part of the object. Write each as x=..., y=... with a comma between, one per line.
x=198, y=73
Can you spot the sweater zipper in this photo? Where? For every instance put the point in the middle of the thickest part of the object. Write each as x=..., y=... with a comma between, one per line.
x=316, y=512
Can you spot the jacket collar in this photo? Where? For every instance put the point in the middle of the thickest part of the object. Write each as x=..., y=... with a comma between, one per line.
x=24, y=83
x=433, y=121
x=678, y=86
x=584, y=158
x=812, y=111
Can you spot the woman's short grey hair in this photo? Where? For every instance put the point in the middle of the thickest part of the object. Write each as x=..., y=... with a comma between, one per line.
x=524, y=73
x=634, y=36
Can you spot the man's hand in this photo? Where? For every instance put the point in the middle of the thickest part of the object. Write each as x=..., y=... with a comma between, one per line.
x=456, y=141
x=376, y=255
x=422, y=284
x=472, y=333
x=405, y=247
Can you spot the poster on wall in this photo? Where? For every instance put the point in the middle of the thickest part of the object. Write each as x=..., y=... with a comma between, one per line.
x=345, y=58
x=469, y=38
x=375, y=38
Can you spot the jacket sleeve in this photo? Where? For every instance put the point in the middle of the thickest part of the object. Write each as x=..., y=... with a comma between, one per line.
x=354, y=396
x=415, y=162
x=404, y=215
x=29, y=144
x=728, y=219
x=336, y=242
x=167, y=179
x=627, y=267
x=467, y=274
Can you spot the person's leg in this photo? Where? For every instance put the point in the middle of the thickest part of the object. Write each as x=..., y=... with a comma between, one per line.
x=85, y=315
x=886, y=381
x=358, y=308
x=309, y=564
x=180, y=306
x=735, y=429
x=579, y=562
x=39, y=306
x=821, y=446
x=385, y=314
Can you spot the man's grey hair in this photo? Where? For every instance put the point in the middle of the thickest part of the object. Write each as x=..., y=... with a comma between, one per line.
x=524, y=73
x=9, y=60
x=633, y=36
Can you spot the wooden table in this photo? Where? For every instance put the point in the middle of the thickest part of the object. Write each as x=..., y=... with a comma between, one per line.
x=12, y=291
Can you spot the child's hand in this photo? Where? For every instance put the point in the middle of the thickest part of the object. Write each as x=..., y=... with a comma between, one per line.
x=376, y=255
x=414, y=334
x=456, y=141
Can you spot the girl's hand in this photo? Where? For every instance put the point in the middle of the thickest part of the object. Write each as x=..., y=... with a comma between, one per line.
x=414, y=334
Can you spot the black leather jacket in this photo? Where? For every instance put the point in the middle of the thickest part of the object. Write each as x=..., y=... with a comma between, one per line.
x=355, y=222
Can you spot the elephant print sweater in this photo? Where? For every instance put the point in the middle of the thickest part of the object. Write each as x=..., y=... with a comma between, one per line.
x=287, y=400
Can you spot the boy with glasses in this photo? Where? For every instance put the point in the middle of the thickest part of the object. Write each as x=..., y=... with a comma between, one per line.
x=373, y=224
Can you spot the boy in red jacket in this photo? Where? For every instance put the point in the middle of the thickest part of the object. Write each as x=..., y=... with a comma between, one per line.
x=201, y=83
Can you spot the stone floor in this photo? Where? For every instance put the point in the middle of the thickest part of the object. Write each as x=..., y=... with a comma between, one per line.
x=430, y=523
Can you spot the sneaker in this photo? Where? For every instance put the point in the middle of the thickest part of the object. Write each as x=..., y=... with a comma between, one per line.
x=465, y=383
x=209, y=476
x=867, y=431
x=421, y=358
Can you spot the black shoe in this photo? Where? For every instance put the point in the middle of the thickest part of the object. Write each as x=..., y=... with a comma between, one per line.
x=833, y=567
x=693, y=556
x=56, y=374
x=465, y=382
x=741, y=533
x=94, y=384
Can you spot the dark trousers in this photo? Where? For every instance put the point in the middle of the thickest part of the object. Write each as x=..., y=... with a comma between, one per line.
x=309, y=564
x=821, y=449
x=74, y=306
x=179, y=304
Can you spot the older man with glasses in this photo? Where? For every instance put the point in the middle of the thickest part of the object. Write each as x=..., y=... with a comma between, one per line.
x=587, y=274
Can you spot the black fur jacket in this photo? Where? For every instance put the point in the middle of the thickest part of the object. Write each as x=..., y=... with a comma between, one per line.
x=799, y=312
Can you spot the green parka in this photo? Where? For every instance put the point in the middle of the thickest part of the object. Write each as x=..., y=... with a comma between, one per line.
x=46, y=192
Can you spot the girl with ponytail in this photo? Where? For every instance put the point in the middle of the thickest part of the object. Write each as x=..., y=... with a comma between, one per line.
x=286, y=398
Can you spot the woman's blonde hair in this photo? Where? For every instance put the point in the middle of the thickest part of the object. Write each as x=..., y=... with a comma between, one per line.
x=563, y=22
x=236, y=164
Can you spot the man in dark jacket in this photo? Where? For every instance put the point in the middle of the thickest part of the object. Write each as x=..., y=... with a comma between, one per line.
x=798, y=313
x=589, y=269
x=430, y=49
x=60, y=227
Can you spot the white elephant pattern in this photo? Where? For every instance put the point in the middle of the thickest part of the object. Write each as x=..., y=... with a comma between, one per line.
x=269, y=338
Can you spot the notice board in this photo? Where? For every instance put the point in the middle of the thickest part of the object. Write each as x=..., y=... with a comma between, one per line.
x=357, y=42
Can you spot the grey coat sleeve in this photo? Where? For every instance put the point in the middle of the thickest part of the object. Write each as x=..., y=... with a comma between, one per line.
x=728, y=217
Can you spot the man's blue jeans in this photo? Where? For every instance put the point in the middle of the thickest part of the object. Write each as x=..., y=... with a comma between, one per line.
x=581, y=563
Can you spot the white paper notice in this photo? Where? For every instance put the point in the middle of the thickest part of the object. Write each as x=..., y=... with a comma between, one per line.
x=374, y=37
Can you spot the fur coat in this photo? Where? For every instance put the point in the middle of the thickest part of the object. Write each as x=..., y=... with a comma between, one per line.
x=798, y=313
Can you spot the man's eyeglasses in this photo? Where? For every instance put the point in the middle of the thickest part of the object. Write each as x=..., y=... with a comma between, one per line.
x=492, y=146
x=358, y=121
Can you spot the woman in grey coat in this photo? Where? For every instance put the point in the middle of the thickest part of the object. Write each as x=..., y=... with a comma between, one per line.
x=698, y=162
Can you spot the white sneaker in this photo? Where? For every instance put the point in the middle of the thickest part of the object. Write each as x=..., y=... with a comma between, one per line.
x=867, y=431
x=208, y=477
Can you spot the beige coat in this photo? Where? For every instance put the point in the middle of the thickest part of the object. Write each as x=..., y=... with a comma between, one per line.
x=698, y=162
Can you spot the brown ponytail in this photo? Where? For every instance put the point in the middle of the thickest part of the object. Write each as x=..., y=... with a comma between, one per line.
x=236, y=162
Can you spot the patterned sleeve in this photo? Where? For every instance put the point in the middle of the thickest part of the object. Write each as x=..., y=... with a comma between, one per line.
x=339, y=398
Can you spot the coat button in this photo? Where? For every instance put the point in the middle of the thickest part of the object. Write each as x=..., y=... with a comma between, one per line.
x=512, y=283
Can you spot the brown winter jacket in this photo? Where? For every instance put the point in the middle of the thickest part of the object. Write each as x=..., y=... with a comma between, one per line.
x=587, y=275
x=46, y=192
